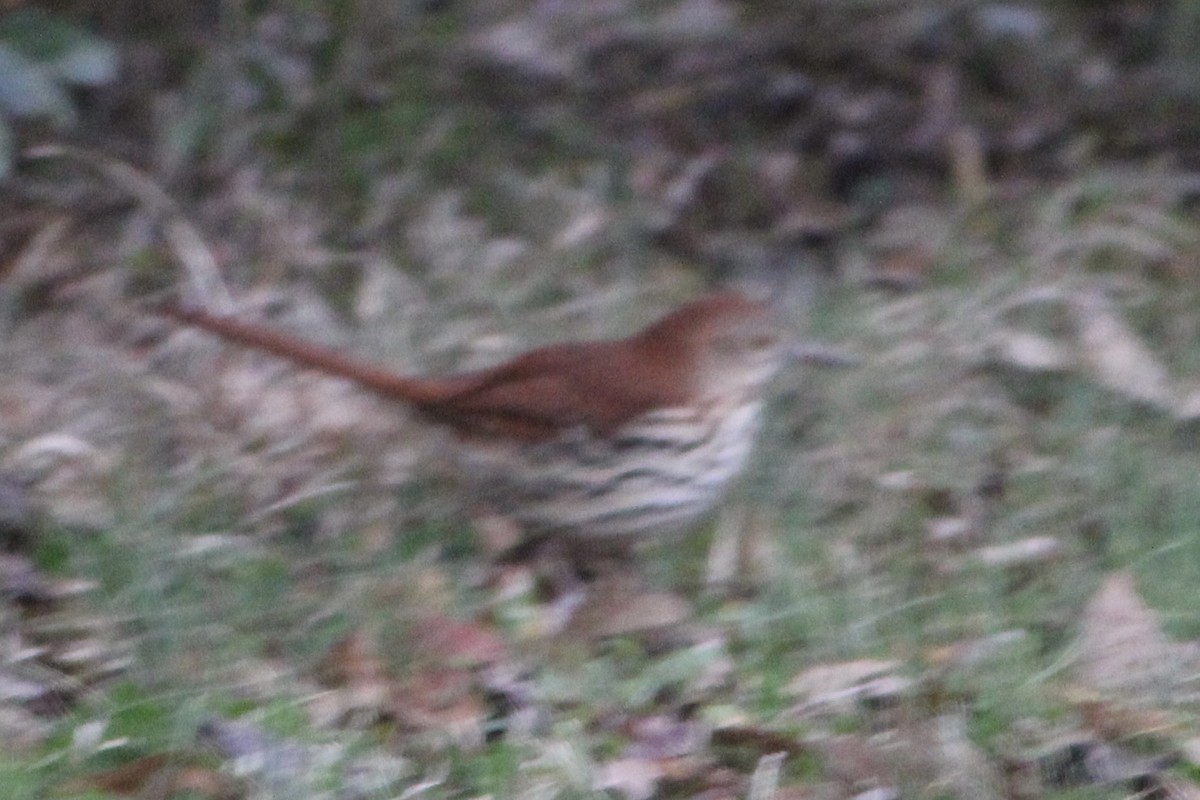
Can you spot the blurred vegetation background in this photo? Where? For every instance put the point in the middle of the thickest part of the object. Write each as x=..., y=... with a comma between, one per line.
x=966, y=564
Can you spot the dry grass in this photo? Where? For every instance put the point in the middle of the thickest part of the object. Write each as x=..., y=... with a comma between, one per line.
x=936, y=516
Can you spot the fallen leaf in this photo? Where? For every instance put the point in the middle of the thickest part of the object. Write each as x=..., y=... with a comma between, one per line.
x=498, y=534
x=205, y=782
x=902, y=269
x=253, y=750
x=1083, y=760
x=1032, y=550
x=1035, y=370
x=616, y=606
x=21, y=581
x=634, y=778
x=856, y=762
x=662, y=737
x=451, y=642
x=762, y=740
x=974, y=652
x=845, y=683
x=1117, y=358
x=1122, y=647
x=22, y=732
x=441, y=701
x=764, y=781
x=353, y=665
x=1168, y=787
x=961, y=764
x=129, y=778
x=1113, y=720
x=159, y=775
x=950, y=532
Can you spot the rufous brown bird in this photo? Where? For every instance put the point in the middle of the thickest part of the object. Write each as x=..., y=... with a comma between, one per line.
x=622, y=438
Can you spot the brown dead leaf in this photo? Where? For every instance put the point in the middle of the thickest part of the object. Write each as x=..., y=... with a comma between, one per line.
x=762, y=740
x=205, y=782
x=858, y=763
x=617, y=606
x=441, y=701
x=451, y=642
x=128, y=779
x=633, y=778
x=1116, y=722
x=498, y=534
x=1122, y=647
x=973, y=652
x=928, y=757
x=663, y=749
x=688, y=770
x=353, y=665
x=724, y=783
x=902, y=269
x=159, y=775
x=353, y=659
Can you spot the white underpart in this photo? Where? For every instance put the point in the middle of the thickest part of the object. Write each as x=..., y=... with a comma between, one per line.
x=637, y=482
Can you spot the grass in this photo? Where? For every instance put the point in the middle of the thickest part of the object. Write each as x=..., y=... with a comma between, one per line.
x=252, y=518
x=210, y=606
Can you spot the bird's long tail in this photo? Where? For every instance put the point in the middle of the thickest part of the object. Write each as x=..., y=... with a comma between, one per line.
x=379, y=380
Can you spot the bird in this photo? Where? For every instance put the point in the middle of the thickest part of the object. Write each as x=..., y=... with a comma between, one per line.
x=621, y=439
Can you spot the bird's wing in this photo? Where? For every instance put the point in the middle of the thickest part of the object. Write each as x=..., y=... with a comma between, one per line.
x=545, y=392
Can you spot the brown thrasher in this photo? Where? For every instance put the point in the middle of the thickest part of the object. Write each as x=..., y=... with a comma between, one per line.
x=622, y=438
